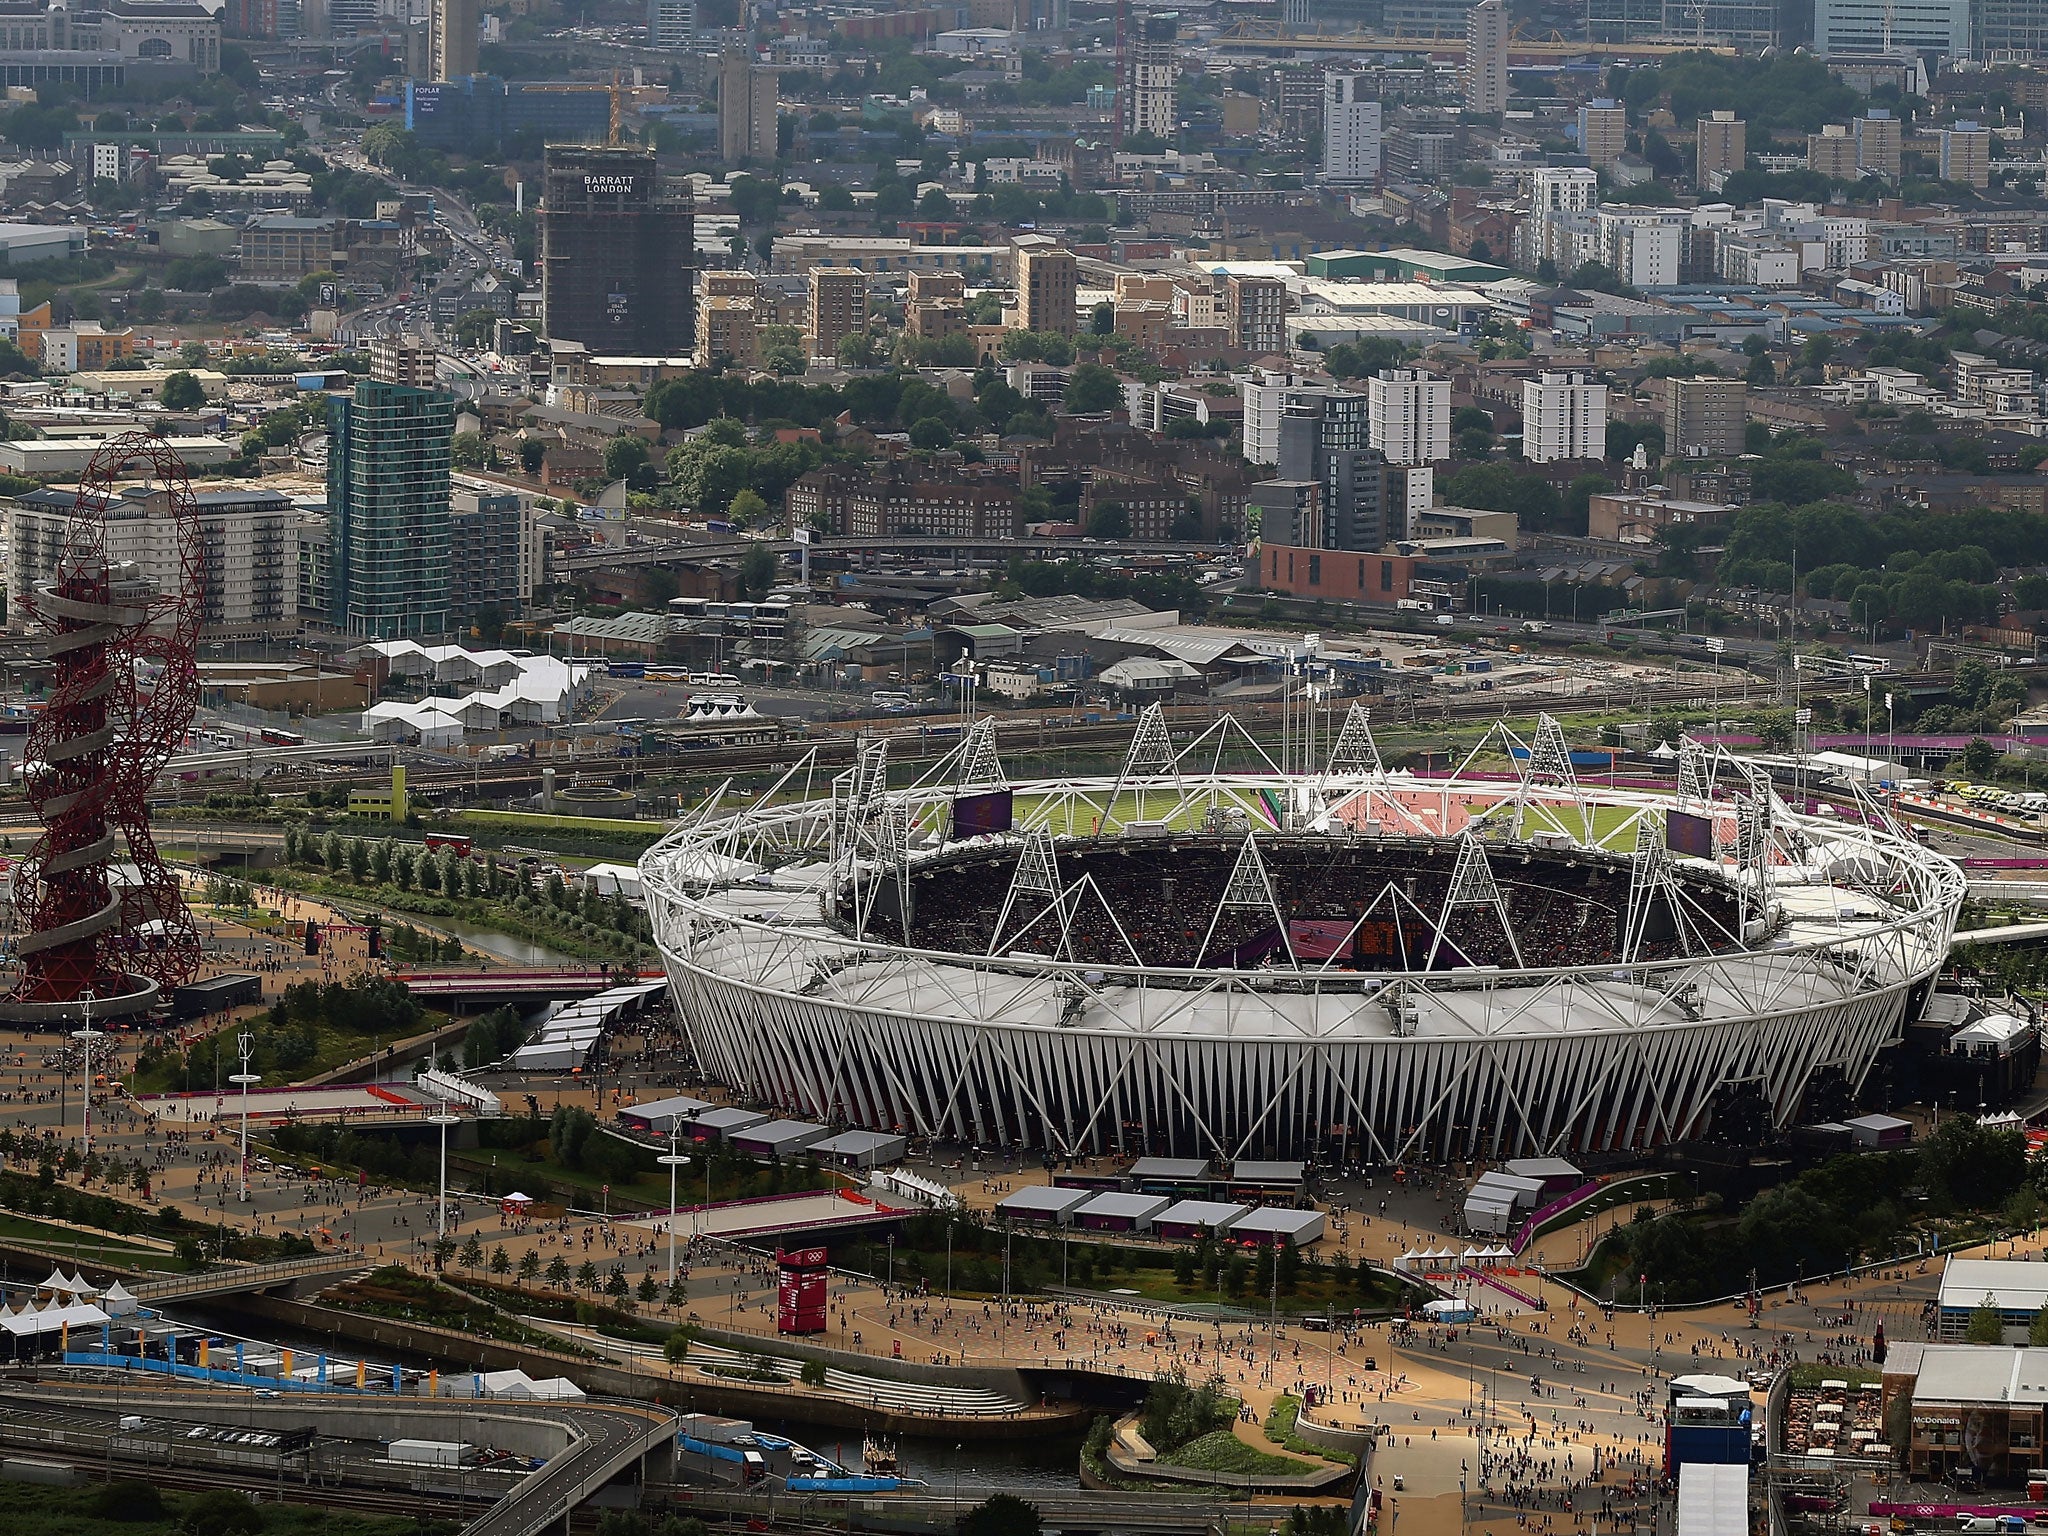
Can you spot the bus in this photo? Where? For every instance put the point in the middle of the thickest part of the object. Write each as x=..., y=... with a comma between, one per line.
x=457, y=843
x=276, y=738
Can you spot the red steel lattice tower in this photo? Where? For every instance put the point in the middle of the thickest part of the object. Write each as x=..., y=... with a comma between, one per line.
x=124, y=682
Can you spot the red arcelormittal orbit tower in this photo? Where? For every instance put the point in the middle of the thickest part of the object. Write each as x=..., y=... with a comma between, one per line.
x=102, y=927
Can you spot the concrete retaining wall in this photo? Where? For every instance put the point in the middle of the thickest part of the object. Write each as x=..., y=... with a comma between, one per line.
x=1334, y=1437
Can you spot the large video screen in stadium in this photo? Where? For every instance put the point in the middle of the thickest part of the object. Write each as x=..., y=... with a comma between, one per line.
x=1689, y=834
x=979, y=815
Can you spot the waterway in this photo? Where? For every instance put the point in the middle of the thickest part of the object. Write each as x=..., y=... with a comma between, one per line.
x=499, y=946
x=1027, y=1461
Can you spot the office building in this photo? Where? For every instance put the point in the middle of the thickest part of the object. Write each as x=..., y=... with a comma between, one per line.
x=1149, y=72
x=1486, y=58
x=1832, y=152
x=1851, y=27
x=388, y=512
x=1721, y=146
x=2003, y=28
x=1966, y=154
x=746, y=110
x=494, y=554
x=1325, y=438
x=249, y=555
x=1410, y=414
x=727, y=323
x=482, y=110
x=1603, y=132
x=1351, y=129
x=1256, y=312
x=1749, y=26
x=671, y=23
x=452, y=45
x=1564, y=416
x=618, y=251
x=1704, y=418
x=1878, y=143
x=1047, y=278
x=838, y=309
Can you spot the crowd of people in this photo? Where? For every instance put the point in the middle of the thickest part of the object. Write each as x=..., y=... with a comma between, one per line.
x=1365, y=906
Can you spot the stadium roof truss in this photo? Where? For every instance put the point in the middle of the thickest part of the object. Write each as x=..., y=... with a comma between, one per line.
x=814, y=1012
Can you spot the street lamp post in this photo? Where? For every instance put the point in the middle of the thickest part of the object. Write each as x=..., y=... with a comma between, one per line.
x=443, y=1119
x=673, y=1161
x=245, y=1047
x=85, y=1038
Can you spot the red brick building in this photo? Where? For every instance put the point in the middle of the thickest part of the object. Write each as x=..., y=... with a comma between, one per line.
x=1336, y=574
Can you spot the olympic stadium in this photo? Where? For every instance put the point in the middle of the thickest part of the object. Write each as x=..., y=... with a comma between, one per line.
x=1205, y=954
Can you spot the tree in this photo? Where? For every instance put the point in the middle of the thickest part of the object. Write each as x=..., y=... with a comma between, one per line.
x=930, y=434
x=623, y=455
x=532, y=454
x=1986, y=1326
x=466, y=450
x=473, y=1253
x=1102, y=319
x=1109, y=520
x=860, y=350
x=558, y=1272
x=1092, y=388
x=221, y=1512
x=1980, y=758
x=529, y=1265
x=182, y=392
x=935, y=206
x=757, y=571
x=747, y=509
x=501, y=1261
x=1001, y=1514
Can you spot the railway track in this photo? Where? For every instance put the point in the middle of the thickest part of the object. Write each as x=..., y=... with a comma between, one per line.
x=836, y=746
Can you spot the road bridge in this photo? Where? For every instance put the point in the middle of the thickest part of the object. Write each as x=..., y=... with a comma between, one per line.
x=590, y=1441
x=254, y=1277
x=509, y=984
x=611, y=558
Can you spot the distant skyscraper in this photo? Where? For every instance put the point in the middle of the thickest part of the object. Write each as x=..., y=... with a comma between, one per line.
x=838, y=309
x=1722, y=146
x=618, y=248
x=746, y=110
x=1966, y=154
x=1351, y=129
x=1705, y=418
x=1832, y=152
x=1878, y=143
x=1486, y=58
x=387, y=510
x=1603, y=132
x=1149, y=69
x=671, y=23
x=1410, y=412
x=1564, y=416
x=1047, y=278
x=454, y=39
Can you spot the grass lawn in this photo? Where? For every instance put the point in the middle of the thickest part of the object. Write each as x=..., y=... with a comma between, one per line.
x=127, y=1508
x=333, y=1047
x=1855, y=1375
x=63, y=1241
x=1222, y=1451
